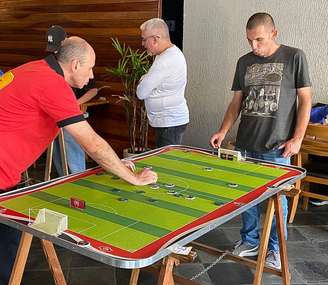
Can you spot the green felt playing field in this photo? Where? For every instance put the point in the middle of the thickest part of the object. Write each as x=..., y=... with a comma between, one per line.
x=145, y=214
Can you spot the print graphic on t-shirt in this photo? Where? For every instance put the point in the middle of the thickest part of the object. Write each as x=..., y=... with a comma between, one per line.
x=263, y=83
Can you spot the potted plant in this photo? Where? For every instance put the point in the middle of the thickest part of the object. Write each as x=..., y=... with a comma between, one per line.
x=131, y=66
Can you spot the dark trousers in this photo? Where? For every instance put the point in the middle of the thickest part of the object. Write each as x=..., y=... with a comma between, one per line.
x=169, y=135
x=9, y=242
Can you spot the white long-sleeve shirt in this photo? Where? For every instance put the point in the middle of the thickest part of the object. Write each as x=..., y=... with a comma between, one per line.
x=163, y=89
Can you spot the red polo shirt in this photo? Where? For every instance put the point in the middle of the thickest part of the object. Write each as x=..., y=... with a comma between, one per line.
x=34, y=100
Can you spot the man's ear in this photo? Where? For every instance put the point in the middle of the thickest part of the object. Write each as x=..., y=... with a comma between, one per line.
x=75, y=64
x=274, y=33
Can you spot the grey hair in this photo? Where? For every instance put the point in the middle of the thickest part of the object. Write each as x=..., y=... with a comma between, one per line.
x=73, y=48
x=156, y=24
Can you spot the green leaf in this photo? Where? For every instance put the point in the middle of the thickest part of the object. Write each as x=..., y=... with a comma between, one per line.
x=131, y=66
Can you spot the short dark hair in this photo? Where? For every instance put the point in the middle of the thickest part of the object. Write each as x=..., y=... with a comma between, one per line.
x=259, y=19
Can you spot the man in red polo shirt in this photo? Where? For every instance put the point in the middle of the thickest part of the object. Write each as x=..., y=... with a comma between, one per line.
x=36, y=100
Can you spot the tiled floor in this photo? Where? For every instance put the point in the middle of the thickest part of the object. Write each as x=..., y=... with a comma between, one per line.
x=307, y=253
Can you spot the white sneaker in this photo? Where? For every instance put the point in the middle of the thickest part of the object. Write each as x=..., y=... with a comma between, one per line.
x=273, y=259
x=318, y=203
x=244, y=249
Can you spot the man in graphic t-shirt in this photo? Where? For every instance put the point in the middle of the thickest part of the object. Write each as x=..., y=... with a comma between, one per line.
x=272, y=93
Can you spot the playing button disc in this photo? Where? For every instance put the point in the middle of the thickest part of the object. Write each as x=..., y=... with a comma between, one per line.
x=208, y=168
x=169, y=185
x=190, y=197
x=154, y=186
x=122, y=199
x=152, y=200
x=233, y=185
x=83, y=243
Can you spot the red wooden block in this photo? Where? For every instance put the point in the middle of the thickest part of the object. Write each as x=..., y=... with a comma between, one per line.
x=76, y=203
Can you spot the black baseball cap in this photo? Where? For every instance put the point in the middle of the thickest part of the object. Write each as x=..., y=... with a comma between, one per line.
x=54, y=36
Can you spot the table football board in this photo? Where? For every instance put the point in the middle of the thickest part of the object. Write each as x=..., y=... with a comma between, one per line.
x=194, y=188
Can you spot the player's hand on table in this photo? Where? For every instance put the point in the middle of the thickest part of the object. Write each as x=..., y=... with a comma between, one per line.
x=129, y=164
x=146, y=176
x=291, y=147
x=217, y=139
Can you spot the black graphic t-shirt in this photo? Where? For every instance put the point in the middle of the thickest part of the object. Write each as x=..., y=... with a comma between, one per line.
x=269, y=86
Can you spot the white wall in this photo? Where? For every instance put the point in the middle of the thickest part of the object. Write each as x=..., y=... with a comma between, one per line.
x=214, y=39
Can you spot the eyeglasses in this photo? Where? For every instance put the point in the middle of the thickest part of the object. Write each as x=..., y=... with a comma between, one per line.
x=146, y=38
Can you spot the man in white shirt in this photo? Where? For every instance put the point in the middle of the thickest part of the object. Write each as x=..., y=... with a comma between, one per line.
x=164, y=85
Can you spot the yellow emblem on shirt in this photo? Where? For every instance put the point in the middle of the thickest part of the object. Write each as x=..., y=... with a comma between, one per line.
x=6, y=79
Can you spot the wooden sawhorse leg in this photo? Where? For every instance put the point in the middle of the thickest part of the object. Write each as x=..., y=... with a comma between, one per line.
x=21, y=258
x=54, y=265
x=274, y=206
x=164, y=269
x=134, y=276
x=165, y=274
x=63, y=156
x=282, y=240
x=294, y=195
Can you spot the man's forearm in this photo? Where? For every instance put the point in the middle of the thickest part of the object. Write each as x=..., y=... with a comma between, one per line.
x=232, y=113
x=229, y=119
x=105, y=156
x=100, y=151
x=303, y=113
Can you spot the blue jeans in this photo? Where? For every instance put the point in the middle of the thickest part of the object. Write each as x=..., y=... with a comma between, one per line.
x=9, y=242
x=251, y=218
x=74, y=153
x=169, y=135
